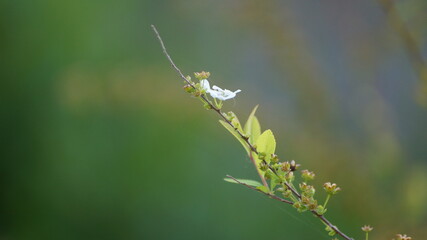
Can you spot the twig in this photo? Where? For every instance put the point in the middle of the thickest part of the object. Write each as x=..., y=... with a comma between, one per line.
x=169, y=57
x=246, y=139
x=321, y=217
x=333, y=227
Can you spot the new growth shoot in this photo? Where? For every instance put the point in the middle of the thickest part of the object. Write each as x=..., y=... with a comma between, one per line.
x=278, y=179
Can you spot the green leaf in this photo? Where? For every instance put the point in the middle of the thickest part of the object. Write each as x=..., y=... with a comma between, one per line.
x=264, y=189
x=249, y=182
x=266, y=144
x=252, y=127
x=235, y=134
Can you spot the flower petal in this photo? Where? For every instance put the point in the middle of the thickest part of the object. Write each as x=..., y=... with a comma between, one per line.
x=222, y=94
x=204, y=84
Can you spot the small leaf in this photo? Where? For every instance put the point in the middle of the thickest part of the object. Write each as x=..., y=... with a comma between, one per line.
x=264, y=189
x=235, y=134
x=252, y=127
x=249, y=182
x=255, y=130
x=266, y=144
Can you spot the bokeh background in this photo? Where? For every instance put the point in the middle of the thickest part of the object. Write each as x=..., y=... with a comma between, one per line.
x=100, y=142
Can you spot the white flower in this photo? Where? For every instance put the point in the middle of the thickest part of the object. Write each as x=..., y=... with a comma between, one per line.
x=216, y=92
x=221, y=94
x=204, y=85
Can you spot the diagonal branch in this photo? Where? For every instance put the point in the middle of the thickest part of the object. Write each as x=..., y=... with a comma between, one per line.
x=246, y=139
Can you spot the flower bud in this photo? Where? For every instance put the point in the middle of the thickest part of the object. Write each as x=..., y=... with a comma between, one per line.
x=403, y=237
x=290, y=177
x=230, y=116
x=188, y=88
x=207, y=106
x=330, y=230
x=300, y=206
x=320, y=210
x=312, y=205
x=294, y=166
x=287, y=193
x=297, y=205
x=197, y=93
x=263, y=166
x=305, y=200
x=303, y=186
x=286, y=166
x=274, y=158
x=367, y=228
x=331, y=188
x=202, y=75
x=307, y=175
x=307, y=190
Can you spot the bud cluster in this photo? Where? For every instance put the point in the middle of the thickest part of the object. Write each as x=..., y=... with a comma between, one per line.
x=192, y=87
x=307, y=201
x=281, y=174
x=202, y=75
x=290, y=166
x=307, y=175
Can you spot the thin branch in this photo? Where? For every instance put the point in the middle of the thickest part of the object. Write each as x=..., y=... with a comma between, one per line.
x=168, y=56
x=333, y=227
x=270, y=195
x=246, y=139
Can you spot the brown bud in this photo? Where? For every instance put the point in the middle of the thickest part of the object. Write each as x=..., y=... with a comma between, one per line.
x=294, y=166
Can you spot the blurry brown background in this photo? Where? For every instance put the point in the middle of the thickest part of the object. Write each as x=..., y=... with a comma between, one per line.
x=100, y=142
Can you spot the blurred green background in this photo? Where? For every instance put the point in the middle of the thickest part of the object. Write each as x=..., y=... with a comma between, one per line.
x=100, y=142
